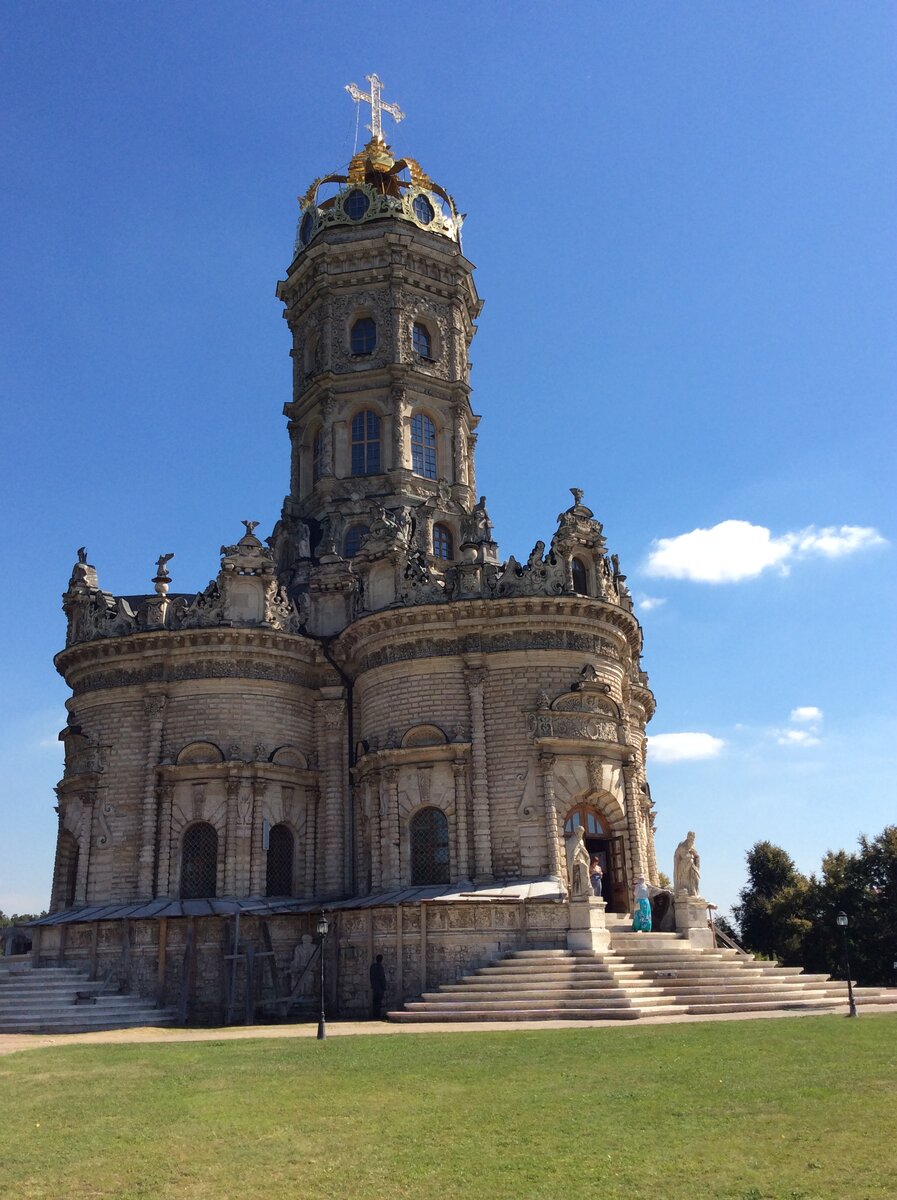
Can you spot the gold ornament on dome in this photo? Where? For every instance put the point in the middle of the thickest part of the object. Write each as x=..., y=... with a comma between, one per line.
x=378, y=106
x=391, y=187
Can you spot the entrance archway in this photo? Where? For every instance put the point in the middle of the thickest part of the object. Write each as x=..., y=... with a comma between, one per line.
x=603, y=843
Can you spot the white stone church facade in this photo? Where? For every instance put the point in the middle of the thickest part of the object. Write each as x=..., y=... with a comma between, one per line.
x=370, y=713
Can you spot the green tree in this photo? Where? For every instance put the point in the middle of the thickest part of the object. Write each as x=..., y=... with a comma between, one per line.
x=772, y=916
x=786, y=916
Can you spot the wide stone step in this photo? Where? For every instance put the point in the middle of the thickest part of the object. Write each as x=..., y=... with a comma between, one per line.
x=596, y=1013
x=752, y=1004
x=450, y=1004
x=534, y=993
x=65, y=1000
x=153, y=1019
x=759, y=989
x=596, y=972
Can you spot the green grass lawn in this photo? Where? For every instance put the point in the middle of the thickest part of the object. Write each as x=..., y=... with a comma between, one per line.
x=786, y=1110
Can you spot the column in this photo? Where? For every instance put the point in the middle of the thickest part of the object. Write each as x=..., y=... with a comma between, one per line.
x=389, y=824
x=163, y=872
x=475, y=677
x=85, y=843
x=229, y=850
x=471, y=463
x=327, y=436
x=295, y=431
x=552, y=830
x=154, y=709
x=637, y=858
x=462, y=849
x=459, y=464
x=331, y=723
x=400, y=460
x=372, y=783
x=258, y=861
x=312, y=807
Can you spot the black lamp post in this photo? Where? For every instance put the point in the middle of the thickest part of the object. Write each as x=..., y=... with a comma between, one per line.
x=842, y=923
x=322, y=934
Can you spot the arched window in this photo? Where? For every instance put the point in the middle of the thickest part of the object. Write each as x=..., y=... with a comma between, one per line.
x=580, y=577
x=364, y=336
x=317, y=455
x=442, y=542
x=423, y=446
x=366, y=443
x=66, y=869
x=199, y=861
x=586, y=817
x=421, y=340
x=429, y=847
x=279, y=872
x=355, y=535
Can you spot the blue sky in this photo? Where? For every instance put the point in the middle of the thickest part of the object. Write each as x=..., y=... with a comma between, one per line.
x=683, y=220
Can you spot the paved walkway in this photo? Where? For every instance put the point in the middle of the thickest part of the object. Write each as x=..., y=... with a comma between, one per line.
x=10, y=1043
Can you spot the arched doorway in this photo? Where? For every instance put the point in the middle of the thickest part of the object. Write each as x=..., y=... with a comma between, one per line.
x=600, y=841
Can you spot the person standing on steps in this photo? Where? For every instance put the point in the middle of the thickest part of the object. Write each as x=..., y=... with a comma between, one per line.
x=641, y=916
x=378, y=987
x=596, y=876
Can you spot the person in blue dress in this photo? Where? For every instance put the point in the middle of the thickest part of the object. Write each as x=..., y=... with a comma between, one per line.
x=641, y=917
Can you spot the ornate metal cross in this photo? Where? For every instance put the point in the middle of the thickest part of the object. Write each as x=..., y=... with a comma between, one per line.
x=377, y=105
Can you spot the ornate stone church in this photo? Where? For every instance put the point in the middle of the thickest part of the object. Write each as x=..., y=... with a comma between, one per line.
x=370, y=712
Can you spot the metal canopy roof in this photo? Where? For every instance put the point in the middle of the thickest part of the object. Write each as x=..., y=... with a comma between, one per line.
x=273, y=906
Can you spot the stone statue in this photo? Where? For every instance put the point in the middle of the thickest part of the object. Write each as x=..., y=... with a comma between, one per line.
x=302, y=540
x=578, y=863
x=475, y=525
x=686, y=868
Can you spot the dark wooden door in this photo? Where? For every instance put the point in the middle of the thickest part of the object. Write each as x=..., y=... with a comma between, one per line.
x=618, y=900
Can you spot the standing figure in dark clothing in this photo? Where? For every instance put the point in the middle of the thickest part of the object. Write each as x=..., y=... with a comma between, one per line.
x=378, y=987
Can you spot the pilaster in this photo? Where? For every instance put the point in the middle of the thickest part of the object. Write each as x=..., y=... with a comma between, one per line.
x=154, y=709
x=389, y=813
x=475, y=678
x=552, y=824
x=372, y=798
x=462, y=844
x=164, y=800
x=331, y=752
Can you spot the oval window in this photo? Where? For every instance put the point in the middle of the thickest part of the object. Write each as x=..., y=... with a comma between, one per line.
x=306, y=229
x=423, y=210
x=356, y=205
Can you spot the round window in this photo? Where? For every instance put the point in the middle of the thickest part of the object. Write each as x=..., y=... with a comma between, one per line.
x=306, y=229
x=356, y=205
x=423, y=210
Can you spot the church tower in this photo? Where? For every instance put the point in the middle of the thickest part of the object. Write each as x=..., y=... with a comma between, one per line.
x=381, y=305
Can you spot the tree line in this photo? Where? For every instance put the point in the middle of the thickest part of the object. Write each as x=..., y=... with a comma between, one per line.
x=791, y=917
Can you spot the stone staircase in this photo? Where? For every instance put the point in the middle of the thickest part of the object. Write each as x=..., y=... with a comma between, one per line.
x=65, y=1000
x=656, y=974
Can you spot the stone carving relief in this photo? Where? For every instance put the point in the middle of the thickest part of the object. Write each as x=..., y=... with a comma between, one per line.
x=585, y=712
x=105, y=812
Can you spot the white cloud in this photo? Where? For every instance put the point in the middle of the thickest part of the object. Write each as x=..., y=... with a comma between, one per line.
x=679, y=747
x=810, y=715
x=797, y=737
x=646, y=603
x=735, y=550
